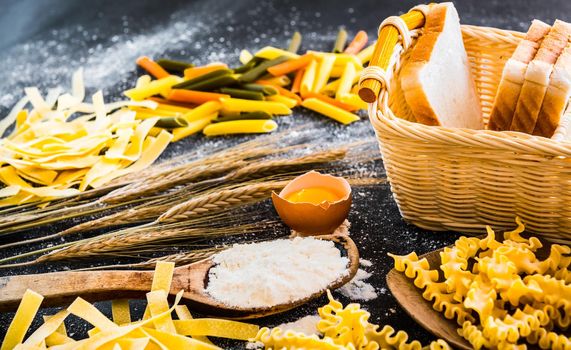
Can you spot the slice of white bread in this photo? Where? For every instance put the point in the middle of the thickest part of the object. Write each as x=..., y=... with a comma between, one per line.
x=436, y=81
x=513, y=77
x=537, y=77
x=556, y=96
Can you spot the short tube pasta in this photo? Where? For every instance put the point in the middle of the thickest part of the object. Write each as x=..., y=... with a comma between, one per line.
x=192, y=128
x=346, y=80
x=330, y=111
x=240, y=105
x=155, y=87
x=324, y=71
x=308, y=79
x=240, y=127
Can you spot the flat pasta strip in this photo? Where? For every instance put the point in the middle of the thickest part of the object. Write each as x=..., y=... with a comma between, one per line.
x=121, y=311
x=27, y=309
x=216, y=328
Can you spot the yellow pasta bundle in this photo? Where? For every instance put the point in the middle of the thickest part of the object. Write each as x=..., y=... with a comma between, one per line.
x=342, y=328
x=157, y=330
x=59, y=149
x=500, y=293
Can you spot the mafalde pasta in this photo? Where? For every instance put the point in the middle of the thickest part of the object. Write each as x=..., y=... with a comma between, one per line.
x=500, y=293
x=343, y=328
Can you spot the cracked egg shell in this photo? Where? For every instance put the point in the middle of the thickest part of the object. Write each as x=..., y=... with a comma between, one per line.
x=314, y=219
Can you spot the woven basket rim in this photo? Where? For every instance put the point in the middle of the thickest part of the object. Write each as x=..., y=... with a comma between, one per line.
x=383, y=118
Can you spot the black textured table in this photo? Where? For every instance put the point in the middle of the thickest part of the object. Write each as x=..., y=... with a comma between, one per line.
x=43, y=42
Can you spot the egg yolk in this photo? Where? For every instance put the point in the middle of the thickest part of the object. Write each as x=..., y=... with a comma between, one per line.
x=313, y=195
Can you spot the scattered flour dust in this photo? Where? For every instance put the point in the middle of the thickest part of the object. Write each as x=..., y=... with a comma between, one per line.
x=357, y=289
x=306, y=325
x=274, y=272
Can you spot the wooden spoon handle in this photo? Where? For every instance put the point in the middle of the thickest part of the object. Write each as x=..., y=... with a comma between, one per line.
x=62, y=287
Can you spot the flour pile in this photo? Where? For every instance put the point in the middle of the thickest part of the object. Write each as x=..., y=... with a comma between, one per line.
x=275, y=272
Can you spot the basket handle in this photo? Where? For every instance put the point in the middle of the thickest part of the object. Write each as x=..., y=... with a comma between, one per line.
x=373, y=77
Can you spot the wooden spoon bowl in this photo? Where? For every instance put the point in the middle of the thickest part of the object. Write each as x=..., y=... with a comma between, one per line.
x=419, y=309
x=59, y=288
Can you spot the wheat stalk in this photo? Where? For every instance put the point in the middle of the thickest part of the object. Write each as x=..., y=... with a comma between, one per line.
x=148, y=212
x=181, y=258
x=221, y=200
x=127, y=240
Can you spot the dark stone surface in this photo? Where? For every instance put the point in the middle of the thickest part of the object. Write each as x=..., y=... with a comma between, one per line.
x=376, y=224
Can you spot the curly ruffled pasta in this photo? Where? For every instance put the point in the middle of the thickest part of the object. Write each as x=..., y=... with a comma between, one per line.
x=515, y=295
x=426, y=279
x=277, y=339
x=345, y=328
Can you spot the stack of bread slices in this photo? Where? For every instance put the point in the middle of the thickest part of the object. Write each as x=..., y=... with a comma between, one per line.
x=533, y=92
x=535, y=84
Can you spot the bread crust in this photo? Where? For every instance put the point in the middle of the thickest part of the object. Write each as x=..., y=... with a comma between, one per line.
x=537, y=77
x=513, y=77
x=411, y=83
x=556, y=97
x=410, y=76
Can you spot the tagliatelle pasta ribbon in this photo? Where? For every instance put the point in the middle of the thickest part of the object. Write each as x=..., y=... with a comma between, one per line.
x=157, y=331
x=51, y=155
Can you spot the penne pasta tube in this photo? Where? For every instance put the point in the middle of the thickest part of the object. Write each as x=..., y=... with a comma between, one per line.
x=240, y=127
x=193, y=97
x=337, y=71
x=324, y=71
x=287, y=93
x=143, y=80
x=295, y=86
x=282, y=80
x=152, y=67
x=290, y=66
x=358, y=43
x=308, y=78
x=173, y=65
x=340, y=59
x=332, y=86
x=243, y=116
x=171, y=123
x=295, y=42
x=346, y=81
x=289, y=102
x=330, y=111
x=270, y=53
x=192, y=128
x=340, y=41
x=202, y=111
x=239, y=105
x=167, y=106
x=331, y=101
x=156, y=112
x=242, y=93
x=366, y=54
x=353, y=100
x=245, y=56
x=153, y=88
x=194, y=72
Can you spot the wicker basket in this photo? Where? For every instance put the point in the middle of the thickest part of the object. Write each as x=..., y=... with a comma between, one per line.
x=462, y=179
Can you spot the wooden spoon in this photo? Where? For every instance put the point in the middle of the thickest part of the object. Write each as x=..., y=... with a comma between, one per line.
x=59, y=288
x=410, y=299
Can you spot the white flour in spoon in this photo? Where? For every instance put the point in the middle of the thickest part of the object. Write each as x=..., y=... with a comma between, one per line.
x=275, y=272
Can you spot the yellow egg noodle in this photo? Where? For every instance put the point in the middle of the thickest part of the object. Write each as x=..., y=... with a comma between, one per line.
x=59, y=149
x=159, y=331
x=515, y=296
x=343, y=328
